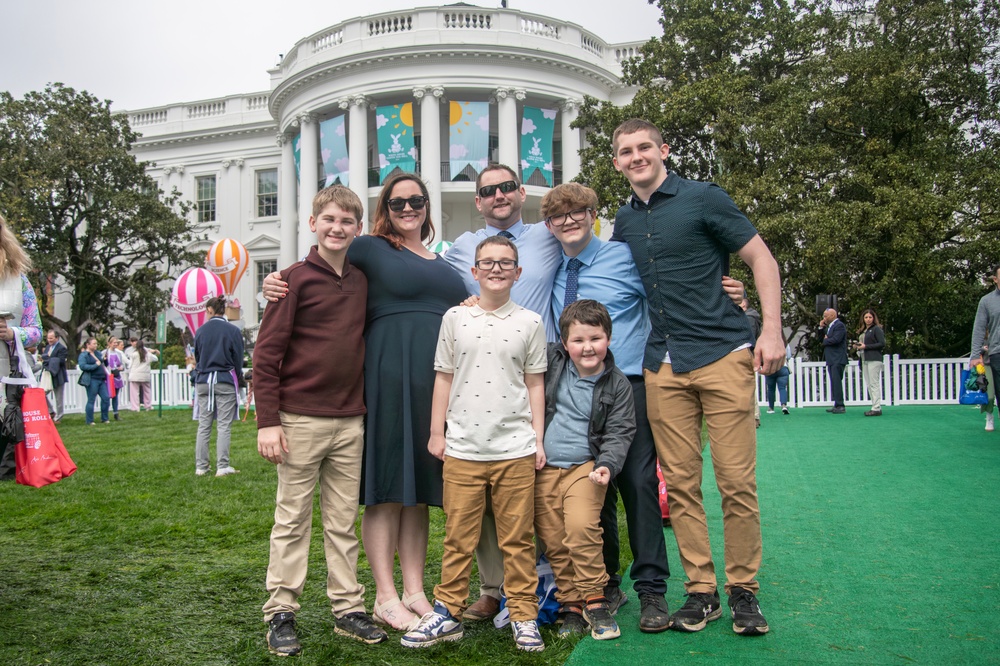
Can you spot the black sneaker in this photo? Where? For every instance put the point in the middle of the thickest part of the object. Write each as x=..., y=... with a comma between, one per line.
x=281, y=637
x=598, y=615
x=747, y=618
x=655, y=617
x=699, y=609
x=616, y=598
x=571, y=621
x=360, y=627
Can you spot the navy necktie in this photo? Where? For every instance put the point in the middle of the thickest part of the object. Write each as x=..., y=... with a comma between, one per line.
x=506, y=234
x=572, y=280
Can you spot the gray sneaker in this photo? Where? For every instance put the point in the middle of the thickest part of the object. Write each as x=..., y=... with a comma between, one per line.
x=616, y=598
x=281, y=637
x=360, y=627
x=435, y=627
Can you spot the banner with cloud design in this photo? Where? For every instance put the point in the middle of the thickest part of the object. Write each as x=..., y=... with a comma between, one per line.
x=394, y=125
x=537, y=127
x=469, y=140
x=333, y=148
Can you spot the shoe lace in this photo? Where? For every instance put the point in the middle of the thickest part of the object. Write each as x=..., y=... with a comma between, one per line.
x=651, y=600
x=284, y=628
x=745, y=602
x=526, y=630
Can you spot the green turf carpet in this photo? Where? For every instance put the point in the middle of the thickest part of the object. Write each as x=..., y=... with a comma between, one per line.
x=880, y=547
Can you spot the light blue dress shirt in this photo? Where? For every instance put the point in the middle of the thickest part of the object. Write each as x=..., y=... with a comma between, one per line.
x=609, y=275
x=539, y=255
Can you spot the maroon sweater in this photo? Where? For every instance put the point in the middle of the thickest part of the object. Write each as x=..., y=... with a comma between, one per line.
x=310, y=349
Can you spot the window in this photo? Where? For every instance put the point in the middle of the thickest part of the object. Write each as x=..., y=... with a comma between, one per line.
x=264, y=268
x=267, y=193
x=205, y=199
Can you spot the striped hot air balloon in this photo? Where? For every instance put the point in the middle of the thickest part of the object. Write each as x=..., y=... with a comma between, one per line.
x=191, y=292
x=228, y=259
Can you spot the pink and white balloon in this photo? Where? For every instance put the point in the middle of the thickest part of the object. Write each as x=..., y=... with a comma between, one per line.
x=228, y=259
x=191, y=292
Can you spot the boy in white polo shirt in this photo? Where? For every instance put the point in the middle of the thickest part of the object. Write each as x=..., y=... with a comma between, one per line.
x=489, y=390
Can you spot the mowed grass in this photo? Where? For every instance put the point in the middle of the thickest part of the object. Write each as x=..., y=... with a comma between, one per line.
x=135, y=560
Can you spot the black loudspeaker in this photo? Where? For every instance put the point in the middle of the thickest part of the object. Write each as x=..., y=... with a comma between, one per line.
x=825, y=302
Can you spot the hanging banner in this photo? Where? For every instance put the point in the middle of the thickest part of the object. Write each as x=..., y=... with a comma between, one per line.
x=469, y=141
x=537, y=127
x=394, y=125
x=297, y=152
x=333, y=147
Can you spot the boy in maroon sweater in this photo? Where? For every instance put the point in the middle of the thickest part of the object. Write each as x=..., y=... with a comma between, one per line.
x=309, y=390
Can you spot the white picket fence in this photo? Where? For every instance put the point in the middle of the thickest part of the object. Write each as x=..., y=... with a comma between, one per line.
x=929, y=381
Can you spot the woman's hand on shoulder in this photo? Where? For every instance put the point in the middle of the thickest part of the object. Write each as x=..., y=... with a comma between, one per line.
x=273, y=288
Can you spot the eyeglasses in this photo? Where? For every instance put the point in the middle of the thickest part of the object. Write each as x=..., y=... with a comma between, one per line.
x=508, y=186
x=416, y=203
x=488, y=264
x=578, y=215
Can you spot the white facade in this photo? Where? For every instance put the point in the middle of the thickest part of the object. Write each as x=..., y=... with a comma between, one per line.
x=428, y=56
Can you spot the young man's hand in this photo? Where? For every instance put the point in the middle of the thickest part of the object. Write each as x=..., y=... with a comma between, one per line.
x=271, y=444
x=436, y=446
x=539, y=458
x=600, y=476
x=470, y=301
x=734, y=289
x=273, y=288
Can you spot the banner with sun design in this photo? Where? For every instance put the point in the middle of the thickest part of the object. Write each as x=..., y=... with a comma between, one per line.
x=333, y=147
x=394, y=125
x=537, y=126
x=469, y=141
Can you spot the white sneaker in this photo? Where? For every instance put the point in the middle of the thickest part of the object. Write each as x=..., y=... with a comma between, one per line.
x=225, y=471
x=201, y=472
x=770, y=411
x=989, y=422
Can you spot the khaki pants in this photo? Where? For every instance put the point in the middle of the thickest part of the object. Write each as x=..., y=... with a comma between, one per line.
x=488, y=555
x=873, y=378
x=327, y=450
x=722, y=393
x=568, y=521
x=512, y=487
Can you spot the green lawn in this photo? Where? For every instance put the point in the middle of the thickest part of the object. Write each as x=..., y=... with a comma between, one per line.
x=135, y=560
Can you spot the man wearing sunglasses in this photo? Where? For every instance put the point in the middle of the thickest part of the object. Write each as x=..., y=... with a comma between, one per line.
x=499, y=198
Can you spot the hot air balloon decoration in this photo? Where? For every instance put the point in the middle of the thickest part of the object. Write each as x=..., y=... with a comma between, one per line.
x=191, y=292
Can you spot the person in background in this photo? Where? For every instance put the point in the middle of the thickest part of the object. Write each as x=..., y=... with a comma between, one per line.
x=20, y=308
x=986, y=334
x=114, y=360
x=872, y=342
x=218, y=353
x=779, y=380
x=140, y=375
x=835, y=355
x=95, y=380
x=54, y=356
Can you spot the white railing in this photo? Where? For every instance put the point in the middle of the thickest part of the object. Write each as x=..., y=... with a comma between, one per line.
x=930, y=381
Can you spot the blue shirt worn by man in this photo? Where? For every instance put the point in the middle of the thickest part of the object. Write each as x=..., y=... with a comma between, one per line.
x=609, y=275
x=681, y=241
x=539, y=255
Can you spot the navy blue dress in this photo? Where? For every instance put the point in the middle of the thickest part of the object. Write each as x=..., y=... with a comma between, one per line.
x=407, y=296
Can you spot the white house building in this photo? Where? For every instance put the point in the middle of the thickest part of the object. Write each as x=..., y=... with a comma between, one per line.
x=447, y=88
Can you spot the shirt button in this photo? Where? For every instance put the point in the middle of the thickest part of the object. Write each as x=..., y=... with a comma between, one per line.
x=654, y=286
x=649, y=235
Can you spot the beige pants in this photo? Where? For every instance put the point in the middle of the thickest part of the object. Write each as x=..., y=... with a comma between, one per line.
x=568, y=521
x=873, y=379
x=512, y=488
x=721, y=393
x=327, y=450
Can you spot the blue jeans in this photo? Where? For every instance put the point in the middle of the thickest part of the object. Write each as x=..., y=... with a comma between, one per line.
x=97, y=387
x=779, y=379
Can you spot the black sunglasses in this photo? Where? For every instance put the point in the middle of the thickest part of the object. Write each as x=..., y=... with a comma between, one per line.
x=416, y=203
x=508, y=186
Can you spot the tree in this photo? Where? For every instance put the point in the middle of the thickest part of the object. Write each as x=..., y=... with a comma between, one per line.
x=859, y=137
x=94, y=224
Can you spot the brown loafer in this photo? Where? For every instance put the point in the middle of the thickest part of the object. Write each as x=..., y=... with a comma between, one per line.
x=485, y=608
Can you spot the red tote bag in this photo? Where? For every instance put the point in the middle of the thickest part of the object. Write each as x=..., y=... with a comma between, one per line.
x=41, y=458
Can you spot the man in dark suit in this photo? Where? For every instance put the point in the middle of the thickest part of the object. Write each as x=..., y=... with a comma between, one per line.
x=835, y=355
x=54, y=360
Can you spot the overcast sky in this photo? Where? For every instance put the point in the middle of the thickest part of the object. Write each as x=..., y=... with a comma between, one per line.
x=140, y=54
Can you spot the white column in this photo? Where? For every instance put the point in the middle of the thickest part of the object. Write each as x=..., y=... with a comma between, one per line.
x=287, y=198
x=507, y=133
x=358, y=150
x=308, y=179
x=430, y=144
x=570, y=140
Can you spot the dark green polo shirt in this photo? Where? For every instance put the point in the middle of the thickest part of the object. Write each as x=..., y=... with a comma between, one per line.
x=681, y=242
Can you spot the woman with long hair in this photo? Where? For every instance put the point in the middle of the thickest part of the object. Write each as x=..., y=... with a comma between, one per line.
x=114, y=361
x=871, y=342
x=409, y=290
x=140, y=375
x=19, y=309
